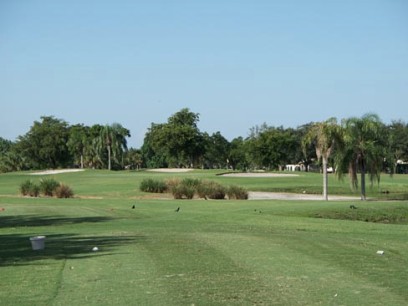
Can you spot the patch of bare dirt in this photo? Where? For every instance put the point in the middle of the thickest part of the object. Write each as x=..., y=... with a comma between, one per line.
x=90, y=197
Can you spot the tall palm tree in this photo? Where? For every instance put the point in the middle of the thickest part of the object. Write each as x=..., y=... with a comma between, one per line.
x=323, y=135
x=113, y=138
x=364, y=150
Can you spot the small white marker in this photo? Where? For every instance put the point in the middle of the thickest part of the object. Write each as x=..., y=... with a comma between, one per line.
x=95, y=249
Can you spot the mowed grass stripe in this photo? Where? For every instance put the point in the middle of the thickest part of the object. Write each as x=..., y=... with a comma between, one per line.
x=195, y=272
x=301, y=268
x=127, y=276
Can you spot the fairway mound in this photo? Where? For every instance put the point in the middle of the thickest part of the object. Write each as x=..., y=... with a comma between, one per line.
x=258, y=195
x=47, y=172
x=171, y=170
x=259, y=174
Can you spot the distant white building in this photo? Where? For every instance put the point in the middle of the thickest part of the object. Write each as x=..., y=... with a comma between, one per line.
x=302, y=167
x=401, y=167
x=297, y=167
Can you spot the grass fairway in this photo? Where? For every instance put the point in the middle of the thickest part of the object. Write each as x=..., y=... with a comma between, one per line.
x=209, y=253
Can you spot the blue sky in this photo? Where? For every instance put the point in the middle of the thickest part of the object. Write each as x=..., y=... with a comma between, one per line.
x=236, y=63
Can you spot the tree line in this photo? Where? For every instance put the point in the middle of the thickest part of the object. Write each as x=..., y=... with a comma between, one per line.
x=53, y=143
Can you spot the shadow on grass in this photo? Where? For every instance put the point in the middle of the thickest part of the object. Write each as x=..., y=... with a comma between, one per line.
x=35, y=220
x=15, y=249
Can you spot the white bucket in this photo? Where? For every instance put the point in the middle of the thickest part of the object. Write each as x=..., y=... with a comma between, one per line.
x=38, y=242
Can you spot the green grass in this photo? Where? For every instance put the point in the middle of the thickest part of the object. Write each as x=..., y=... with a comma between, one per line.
x=124, y=184
x=209, y=253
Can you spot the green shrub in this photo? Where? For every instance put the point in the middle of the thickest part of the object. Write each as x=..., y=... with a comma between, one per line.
x=151, y=185
x=186, y=188
x=216, y=191
x=28, y=188
x=177, y=192
x=64, y=191
x=25, y=187
x=202, y=189
x=171, y=183
x=238, y=193
x=211, y=190
x=48, y=186
x=183, y=191
x=191, y=182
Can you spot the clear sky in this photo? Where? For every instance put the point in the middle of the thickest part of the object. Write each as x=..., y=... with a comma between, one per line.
x=237, y=63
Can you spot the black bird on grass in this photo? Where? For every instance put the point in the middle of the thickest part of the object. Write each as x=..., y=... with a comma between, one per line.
x=353, y=206
x=178, y=209
x=133, y=207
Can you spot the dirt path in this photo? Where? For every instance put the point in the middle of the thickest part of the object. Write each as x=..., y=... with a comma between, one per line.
x=257, y=195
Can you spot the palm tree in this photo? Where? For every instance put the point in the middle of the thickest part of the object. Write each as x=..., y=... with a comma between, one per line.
x=364, y=150
x=323, y=135
x=113, y=138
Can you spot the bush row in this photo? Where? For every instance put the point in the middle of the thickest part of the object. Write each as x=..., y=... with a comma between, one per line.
x=187, y=188
x=48, y=187
x=155, y=186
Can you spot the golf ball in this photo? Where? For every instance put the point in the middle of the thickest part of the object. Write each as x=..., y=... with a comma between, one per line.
x=95, y=249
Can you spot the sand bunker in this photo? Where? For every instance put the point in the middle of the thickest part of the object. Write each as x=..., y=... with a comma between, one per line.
x=47, y=172
x=254, y=174
x=171, y=170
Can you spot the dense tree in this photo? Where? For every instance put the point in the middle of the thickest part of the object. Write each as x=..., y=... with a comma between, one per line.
x=305, y=152
x=217, y=149
x=323, y=135
x=271, y=147
x=10, y=160
x=258, y=147
x=183, y=139
x=133, y=159
x=238, y=157
x=153, y=153
x=45, y=145
x=5, y=145
x=398, y=137
x=290, y=147
x=78, y=141
x=364, y=149
x=177, y=143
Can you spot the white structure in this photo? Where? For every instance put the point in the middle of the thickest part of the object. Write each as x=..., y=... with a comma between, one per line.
x=297, y=167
